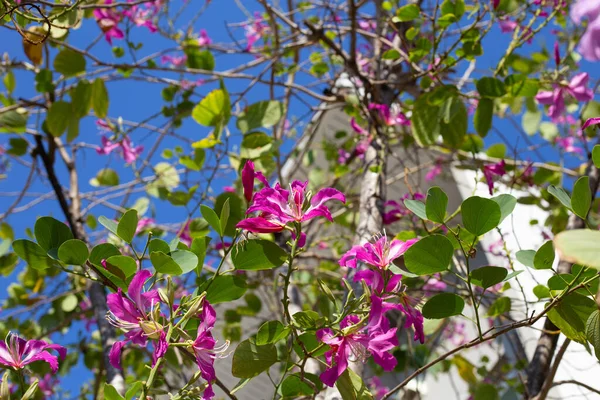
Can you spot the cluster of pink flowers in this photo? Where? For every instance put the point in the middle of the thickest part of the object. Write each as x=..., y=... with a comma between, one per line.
x=397, y=210
x=16, y=352
x=576, y=88
x=129, y=152
x=589, y=45
x=255, y=30
x=489, y=171
x=141, y=15
x=358, y=338
x=277, y=207
x=138, y=314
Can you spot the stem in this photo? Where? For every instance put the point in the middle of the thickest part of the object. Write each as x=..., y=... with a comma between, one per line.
x=222, y=262
x=154, y=370
x=469, y=286
x=21, y=377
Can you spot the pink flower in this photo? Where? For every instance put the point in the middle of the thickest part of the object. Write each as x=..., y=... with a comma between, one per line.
x=204, y=348
x=577, y=88
x=507, y=25
x=130, y=154
x=380, y=254
x=108, y=19
x=495, y=3
x=278, y=207
x=490, y=170
x=138, y=315
x=568, y=145
x=176, y=61
x=248, y=177
x=378, y=388
x=434, y=285
x=143, y=223
x=353, y=342
x=434, y=172
x=389, y=118
x=47, y=385
x=556, y=53
x=590, y=122
x=204, y=40
x=456, y=333
x=16, y=353
x=185, y=236
x=255, y=31
x=589, y=45
x=142, y=17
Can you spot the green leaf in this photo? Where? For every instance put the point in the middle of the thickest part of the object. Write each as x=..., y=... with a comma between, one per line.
x=50, y=233
x=294, y=386
x=211, y=217
x=18, y=146
x=73, y=252
x=32, y=254
x=259, y=254
x=133, y=390
x=507, y=204
x=454, y=124
x=391, y=54
x=105, y=177
x=541, y=292
x=407, y=13
x=306, y=319
x=250, y=360
x=186, y=260
x=69, y=303
x=81, y=99
x=454, y=7
x=109, y=224
x=491, y=87
x=571, y=314
x=237, y=211
x=435, y=205
x=526, y=257
x=224, y=216
x=127, y=226
x=99, y=98
x=263, y=114
x=213, y=110
x=271, y=332
x=484, y=115
x=164, y=264
x=425, y=123
x=480, y=215
x=487, y=277
x=596, y=155
x=352, y=387
x=110, y=393
x=497, y=150
x=12, y=122
x=69, y=62
x=486, y=391
x=579, y=246
x=224, y=288
x=561, y=195
x=429, y=255
x=417, y=207
x=199, y=59
x=58, y=117
x=502, y=305
x=124, y=263
x=158, y=245
x=592, y=331
x=544, y=257
x=198, y=247
x=443, y=305
x=581, y=200
x=9, y=81
x=102, y=252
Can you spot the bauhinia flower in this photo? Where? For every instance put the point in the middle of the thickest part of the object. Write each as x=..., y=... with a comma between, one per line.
x=138, y=315
x=108, y=20
x=567, y=144
x=176, y=61
x=277, y=207
x=203, y=39
x=379, y=254
x=356, y=342
x=249, y=174
x=590, y=122
x=130, y=154
x=490, y=170
x=555, y=98
x=589, y=44
x=205, y=349
x=16, y=352
x=255, y=31
x=388, y=117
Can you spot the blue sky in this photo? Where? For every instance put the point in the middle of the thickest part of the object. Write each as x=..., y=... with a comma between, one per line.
x=135, y=101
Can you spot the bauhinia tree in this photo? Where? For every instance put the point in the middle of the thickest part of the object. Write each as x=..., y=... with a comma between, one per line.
x=173, y=199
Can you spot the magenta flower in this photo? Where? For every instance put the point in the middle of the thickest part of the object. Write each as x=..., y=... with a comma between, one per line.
x=176, y=61
x=143, y=17
x=389, y=118
x=47, y=385
x=138, y=315
x=490, y=170
x=204, y=40
x=379, y=254
x=556, y=53
x=591, y=121
x=352, y=342
x=567, y=144
x=378, y=388
x=577, y=88
x=433, y=172
x=204, y=348
x=248, y=177
x=130, y=154
x=16, y=353
x=278, y=207
x=143, y=223
x=255, y=31
x=507, y=25
x=108, y=20
x=589, y=44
